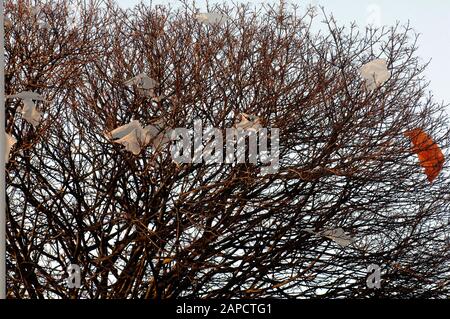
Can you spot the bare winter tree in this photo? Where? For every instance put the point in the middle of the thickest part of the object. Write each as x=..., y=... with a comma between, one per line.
x=143, y=226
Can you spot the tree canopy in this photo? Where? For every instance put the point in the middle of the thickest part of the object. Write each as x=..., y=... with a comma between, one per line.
x=143, y=226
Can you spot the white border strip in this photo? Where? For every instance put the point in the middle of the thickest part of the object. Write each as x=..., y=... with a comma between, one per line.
x=2, y=160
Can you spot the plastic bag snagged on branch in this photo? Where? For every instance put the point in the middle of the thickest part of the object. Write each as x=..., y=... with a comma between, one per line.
x=7, y=22
x=429, y=153
x=36, y=12
x=159, y=133
x=337, y=235
x=10, y=141
x=29, y=110
x=131, y=135
x=375, y=73
x=135, y=137
x=145, y=84
x=249, y=123
x=212, y=18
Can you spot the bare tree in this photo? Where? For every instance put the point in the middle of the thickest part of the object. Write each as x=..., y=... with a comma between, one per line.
x=143, y=226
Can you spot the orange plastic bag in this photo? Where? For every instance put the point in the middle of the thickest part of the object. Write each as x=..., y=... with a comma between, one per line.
x=429, y=153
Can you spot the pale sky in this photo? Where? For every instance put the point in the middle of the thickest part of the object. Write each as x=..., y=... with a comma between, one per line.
x=430, y=18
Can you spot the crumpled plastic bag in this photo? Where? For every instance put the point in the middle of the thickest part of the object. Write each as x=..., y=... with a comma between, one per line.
x=375, y=73
x=249, y=123
x=145, y=84
x=212, y=18
x=135, y=137
x=29, y=110
x=337, y=235
x=10, y=141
